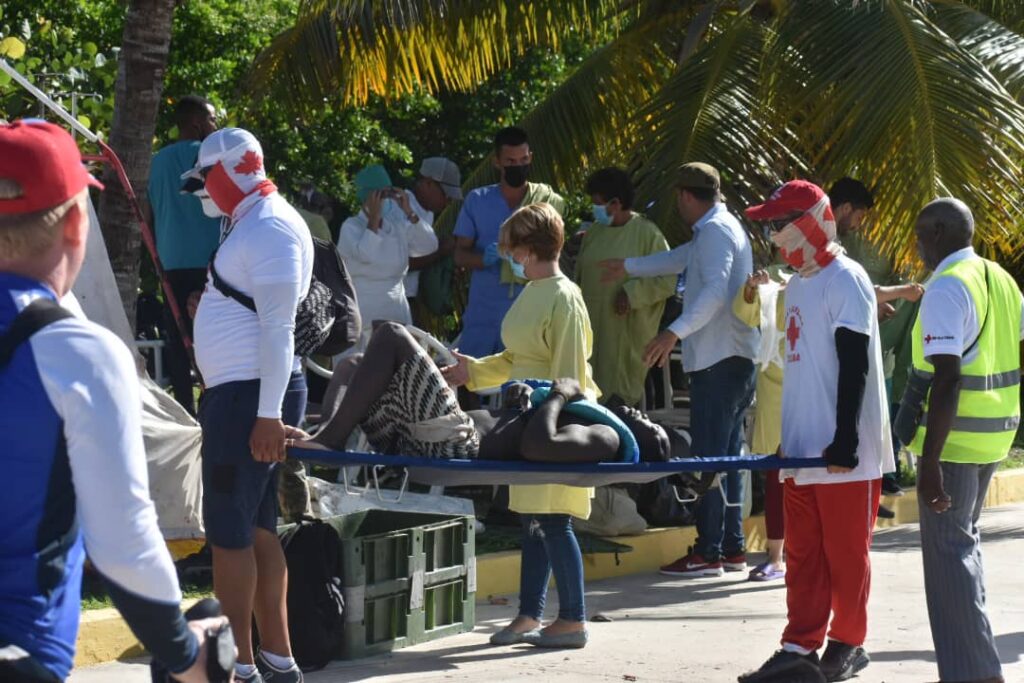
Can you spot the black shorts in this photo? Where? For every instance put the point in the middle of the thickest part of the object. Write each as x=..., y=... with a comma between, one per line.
x=239, y=493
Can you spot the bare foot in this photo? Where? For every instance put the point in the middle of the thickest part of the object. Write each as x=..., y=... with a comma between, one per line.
x=522, y=624
x=562, y=626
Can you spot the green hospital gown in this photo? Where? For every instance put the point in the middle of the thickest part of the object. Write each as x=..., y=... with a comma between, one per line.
x=619, y=341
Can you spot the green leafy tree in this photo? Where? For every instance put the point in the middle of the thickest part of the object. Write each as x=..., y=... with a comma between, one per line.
x=918, y=98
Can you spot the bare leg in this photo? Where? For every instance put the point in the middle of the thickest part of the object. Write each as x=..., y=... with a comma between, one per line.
x=271, y=590
x=390, y=346
x=234, y=584
x=775, y=552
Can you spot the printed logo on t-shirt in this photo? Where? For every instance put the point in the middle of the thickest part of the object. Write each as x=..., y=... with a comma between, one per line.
x=794, y=324
x=929, y=338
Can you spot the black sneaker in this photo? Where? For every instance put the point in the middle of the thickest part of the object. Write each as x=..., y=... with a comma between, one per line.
x=885, y=513
x=841, y=662
x=890, y=487
x=786, y=667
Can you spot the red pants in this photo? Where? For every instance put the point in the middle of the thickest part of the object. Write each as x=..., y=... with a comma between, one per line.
x=828, y=566
x=774, y=519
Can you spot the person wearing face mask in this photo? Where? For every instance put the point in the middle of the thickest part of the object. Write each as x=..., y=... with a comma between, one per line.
x=625, y=313
x=254, y=386
x=493, y=286
x=833, y=406
x=185, y=234
x=377, y=243
x=547, y=335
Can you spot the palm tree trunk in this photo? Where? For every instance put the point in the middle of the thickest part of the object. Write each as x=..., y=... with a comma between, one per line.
x=145, y=45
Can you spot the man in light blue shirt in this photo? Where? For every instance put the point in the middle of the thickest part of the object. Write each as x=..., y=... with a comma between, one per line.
x=185, y=236
x=718, y=353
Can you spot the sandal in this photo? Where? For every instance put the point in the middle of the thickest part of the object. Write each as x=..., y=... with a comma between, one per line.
x=766, y=571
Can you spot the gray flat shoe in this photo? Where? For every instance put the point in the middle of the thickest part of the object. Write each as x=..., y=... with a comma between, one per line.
x=507, y=636
x=577, y=639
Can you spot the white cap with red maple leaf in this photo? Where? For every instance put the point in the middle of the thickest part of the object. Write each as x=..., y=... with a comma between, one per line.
x=240, y=154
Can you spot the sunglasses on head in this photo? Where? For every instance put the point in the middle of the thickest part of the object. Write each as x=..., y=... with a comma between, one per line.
x=205, y=171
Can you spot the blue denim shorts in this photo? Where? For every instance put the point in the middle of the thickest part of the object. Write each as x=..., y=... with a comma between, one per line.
x=239, y=493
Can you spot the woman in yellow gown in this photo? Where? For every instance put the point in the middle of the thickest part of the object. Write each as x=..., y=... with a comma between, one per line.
x=547, y=335
x=625, y=314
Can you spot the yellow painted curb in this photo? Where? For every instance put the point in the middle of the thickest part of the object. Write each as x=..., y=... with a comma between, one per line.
x=103, y=636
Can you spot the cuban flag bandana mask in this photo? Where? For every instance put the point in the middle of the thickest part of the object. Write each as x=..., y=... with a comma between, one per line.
x=808, y=242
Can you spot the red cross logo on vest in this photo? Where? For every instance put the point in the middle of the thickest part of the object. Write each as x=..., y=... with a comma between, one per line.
x=792, y=332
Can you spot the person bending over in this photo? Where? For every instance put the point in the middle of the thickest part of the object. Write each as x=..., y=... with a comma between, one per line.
x=405, y=407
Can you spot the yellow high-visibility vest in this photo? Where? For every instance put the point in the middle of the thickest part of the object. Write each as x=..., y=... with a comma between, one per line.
x=988, y=411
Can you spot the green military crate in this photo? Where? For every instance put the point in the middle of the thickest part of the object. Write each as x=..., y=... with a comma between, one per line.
x=407, y=578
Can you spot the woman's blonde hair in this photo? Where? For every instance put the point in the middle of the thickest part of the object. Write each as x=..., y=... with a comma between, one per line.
x=538, y=227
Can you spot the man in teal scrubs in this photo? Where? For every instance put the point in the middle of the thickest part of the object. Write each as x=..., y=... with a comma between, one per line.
x=493, y=288
x=185, y=236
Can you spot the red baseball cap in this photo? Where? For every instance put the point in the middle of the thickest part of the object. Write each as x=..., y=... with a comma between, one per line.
x=796, y=195
x=44, y=160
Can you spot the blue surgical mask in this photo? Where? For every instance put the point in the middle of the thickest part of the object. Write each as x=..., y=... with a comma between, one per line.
x=517, y=268
x=601, y=214
x=388, y=206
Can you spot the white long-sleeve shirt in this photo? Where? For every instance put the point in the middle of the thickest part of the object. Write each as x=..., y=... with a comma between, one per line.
x=268, y=255
x=378, y=262
x=716, y=261
x=412, y=278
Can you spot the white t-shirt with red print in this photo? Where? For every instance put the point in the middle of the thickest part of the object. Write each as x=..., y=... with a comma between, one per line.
x=839, y=295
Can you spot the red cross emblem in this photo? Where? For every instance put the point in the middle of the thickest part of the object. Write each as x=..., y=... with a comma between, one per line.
x=792, y=332
x=928, y=339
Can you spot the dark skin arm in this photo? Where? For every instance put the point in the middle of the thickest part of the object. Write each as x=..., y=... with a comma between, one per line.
x=421, y=262
x=466, y=256
x=942, y=405
x=544, y=441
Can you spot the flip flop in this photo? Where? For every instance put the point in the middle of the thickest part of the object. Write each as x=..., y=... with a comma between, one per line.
x=766, y=571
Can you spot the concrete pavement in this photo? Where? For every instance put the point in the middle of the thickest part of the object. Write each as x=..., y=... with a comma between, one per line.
x=702, y=630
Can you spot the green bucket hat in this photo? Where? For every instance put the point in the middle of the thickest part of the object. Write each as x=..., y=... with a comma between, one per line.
x=371, y=178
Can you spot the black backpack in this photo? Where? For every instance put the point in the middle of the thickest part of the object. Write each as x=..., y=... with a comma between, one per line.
x=30, y=320
x=327, y=321
x=316, y=606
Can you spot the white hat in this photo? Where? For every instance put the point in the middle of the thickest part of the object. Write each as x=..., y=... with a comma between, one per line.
x=446, y=173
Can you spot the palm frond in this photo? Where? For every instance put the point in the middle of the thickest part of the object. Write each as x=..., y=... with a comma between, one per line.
x=1009, y=13
x=1000, y=49
x=346, y=50
x=882, y=93
x=710, y=110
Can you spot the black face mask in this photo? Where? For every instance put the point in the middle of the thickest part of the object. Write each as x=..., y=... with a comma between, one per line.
x=515, y=176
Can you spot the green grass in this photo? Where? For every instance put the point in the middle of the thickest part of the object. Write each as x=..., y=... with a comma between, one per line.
x=94, y=595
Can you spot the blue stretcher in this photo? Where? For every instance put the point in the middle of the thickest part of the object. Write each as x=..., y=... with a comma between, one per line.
x=439, y=472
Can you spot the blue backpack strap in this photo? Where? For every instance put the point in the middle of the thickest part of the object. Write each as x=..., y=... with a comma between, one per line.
x=629, y=450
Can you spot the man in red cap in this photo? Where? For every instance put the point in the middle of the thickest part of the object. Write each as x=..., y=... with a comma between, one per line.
x=832, y=407
x=72, y=455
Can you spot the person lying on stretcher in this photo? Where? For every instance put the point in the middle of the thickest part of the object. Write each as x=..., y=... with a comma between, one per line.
x=403, y=404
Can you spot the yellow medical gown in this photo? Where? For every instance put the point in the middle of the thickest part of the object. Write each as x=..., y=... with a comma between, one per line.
x=547, y=335
x=620, y=340
x=768, y=410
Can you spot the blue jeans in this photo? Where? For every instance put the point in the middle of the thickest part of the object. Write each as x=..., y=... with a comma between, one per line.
x=549, y=544
x=719, y=395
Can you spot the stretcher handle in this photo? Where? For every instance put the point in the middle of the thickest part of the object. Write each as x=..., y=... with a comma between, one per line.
x=401, y=489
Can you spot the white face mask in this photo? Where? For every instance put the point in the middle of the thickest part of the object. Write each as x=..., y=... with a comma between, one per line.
x=210, y=207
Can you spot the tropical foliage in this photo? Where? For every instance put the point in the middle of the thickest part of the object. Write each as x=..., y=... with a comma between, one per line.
x=918, y=98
